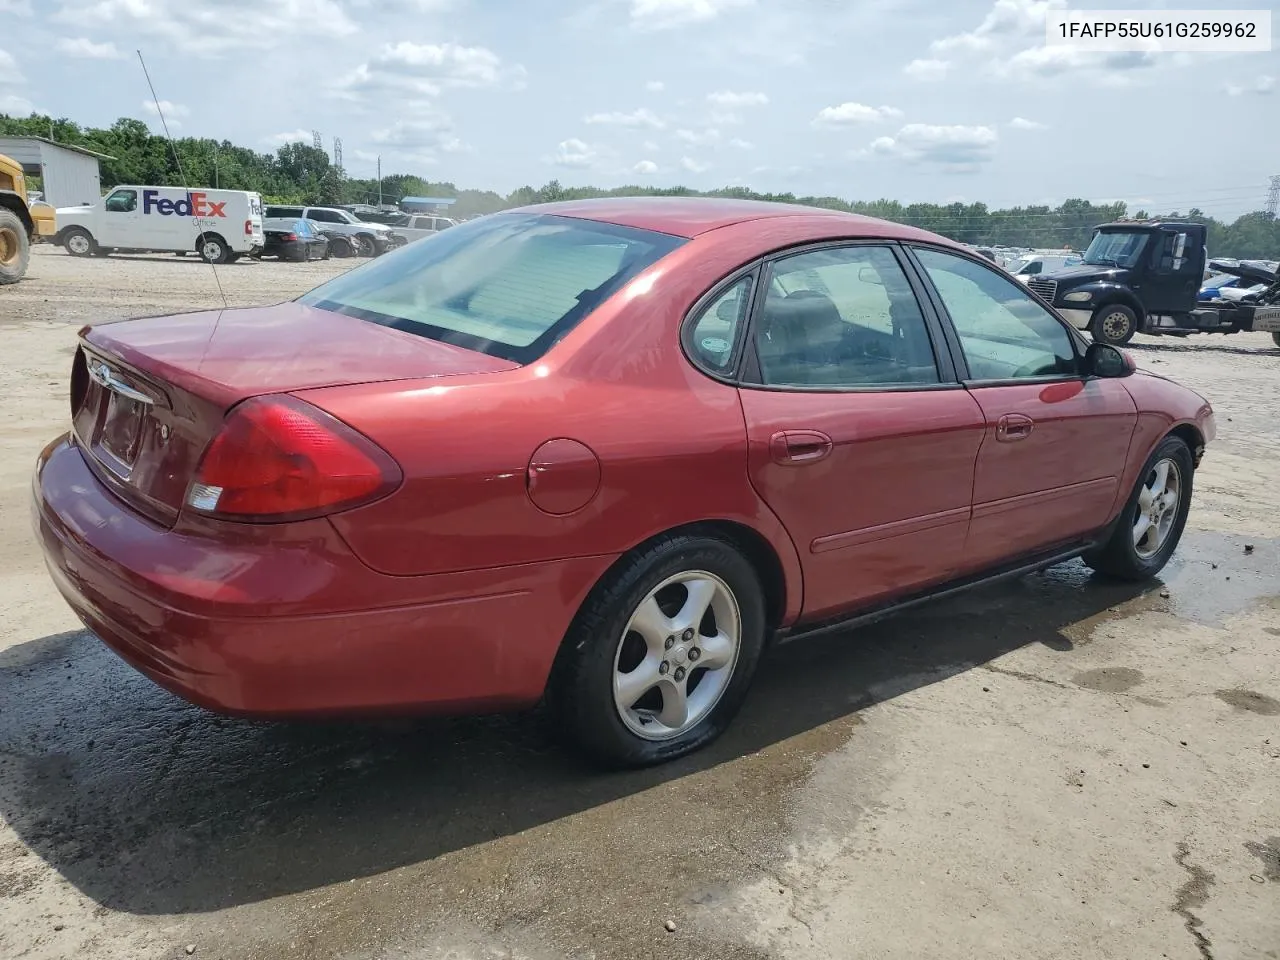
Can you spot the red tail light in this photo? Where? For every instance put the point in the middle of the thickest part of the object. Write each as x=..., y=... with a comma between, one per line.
x=279, y=458
x=289, y=237
x=248, y=228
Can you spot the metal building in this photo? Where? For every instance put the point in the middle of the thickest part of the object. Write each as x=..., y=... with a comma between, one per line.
x=69, y=174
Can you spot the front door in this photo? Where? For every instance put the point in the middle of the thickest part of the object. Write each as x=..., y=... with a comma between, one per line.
x=1056, y=442
x=120, y=224
x=1174, y=273
x=861, y=440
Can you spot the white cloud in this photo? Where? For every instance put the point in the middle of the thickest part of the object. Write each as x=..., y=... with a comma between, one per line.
x=927, y=69
x=1046, y=61
x=85, y=49
x=574, y=153
x=729, y=98
x=417, y=71
x=643, y=117
x=173, y=112
x=422, y=137
x=650, y=147
x=289, y=136
x=205, y=31
x=665, y=14
x=1263, y=84
x=694, y=166
x=18, y=8
x=645, y=168
x=847, y=114
x=955, y=146
x=741, y=144
x=699, y=137
x=1021, y=123
x=1007, y=19
x=655, y=86
x=9, y=72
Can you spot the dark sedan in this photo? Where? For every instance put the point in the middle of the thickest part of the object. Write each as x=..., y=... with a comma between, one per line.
x=293, y=239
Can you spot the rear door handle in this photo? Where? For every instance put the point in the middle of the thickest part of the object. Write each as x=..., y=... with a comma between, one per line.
x=799, y=446
x=1014, y=426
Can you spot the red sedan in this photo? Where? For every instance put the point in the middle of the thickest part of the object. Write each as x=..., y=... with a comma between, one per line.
x=600, y=452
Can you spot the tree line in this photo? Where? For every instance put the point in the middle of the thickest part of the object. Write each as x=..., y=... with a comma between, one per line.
x=303, y=173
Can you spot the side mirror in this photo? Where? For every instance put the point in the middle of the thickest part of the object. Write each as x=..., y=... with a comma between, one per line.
x=1104, y=360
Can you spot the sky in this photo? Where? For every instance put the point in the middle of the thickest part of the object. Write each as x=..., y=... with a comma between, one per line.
x=914, y=100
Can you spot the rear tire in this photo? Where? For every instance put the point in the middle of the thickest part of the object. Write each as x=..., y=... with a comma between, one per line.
x=213, y=249
x=1153, y=519
x=79, y=242
x=15, y=247
x=1114, y=324
x=370, y=244
x=627, y=672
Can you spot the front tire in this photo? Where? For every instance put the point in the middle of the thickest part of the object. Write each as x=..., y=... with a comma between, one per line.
x=1153, y=519
x=15, y=247
x=661, y=656
x=1114, y=324
x=79, y=242
x=1275, y=338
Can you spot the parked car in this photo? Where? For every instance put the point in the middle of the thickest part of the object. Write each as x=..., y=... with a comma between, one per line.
x=1035, y=265
x=340, y=245
x=599, y=452
x=416, y=227
x=370, y=239
x=290, y=239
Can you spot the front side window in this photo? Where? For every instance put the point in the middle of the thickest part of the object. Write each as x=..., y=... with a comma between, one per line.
x=842, y=317
x=1003, y=332
x=278, y=213
x=122, y=201
x=509, y=285
x=713, y=334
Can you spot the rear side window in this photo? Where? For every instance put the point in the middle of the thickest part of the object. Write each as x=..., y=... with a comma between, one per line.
x=282, y=212
x=509, y=285
x=712, y=336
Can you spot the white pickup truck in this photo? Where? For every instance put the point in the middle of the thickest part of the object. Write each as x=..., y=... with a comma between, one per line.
x=416, y=226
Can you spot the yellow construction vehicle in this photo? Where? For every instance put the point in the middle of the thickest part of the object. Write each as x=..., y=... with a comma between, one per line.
x=21, y=222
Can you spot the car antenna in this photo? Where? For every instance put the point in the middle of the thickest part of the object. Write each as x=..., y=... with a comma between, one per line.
x=181, y=173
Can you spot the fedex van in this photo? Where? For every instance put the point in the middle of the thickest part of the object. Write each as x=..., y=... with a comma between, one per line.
x=219, y=225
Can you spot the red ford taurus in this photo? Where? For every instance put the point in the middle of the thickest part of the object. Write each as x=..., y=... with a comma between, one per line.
x=600, y=452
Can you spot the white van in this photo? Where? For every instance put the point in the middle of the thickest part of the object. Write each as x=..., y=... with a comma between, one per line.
x=1033, y=265
x=219, y=225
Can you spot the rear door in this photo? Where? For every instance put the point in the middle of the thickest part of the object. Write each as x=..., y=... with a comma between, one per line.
x=861, y=439
x=1055, y=441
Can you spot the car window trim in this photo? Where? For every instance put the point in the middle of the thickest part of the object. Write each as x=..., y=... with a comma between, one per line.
x=695, y=313
x=750, y=377
x=953, y=336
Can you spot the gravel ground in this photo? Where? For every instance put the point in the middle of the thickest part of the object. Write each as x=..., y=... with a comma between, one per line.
x=1057, y=767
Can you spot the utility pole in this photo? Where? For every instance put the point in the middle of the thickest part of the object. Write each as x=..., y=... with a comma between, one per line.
x=379, y=181
x=1273, y=196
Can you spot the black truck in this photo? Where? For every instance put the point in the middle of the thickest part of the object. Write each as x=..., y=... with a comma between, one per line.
x=1144, y=276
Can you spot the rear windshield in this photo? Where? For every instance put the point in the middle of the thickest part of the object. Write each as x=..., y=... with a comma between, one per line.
x=509, y=285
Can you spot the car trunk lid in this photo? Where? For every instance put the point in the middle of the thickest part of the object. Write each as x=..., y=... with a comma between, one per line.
x=148, y=395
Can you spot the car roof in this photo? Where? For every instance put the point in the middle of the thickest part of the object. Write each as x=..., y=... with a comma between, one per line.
x=690, y=216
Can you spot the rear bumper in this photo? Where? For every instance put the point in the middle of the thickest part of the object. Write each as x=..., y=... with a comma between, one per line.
x=288, y=622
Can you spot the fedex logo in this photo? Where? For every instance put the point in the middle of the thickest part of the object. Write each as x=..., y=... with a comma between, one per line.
x=194, y=206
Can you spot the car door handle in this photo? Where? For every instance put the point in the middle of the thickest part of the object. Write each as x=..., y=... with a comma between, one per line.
x=1014, y=426
x=799, y=446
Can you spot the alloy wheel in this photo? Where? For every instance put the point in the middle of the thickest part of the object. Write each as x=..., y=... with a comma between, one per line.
x=1158, y=503
x=677, y=655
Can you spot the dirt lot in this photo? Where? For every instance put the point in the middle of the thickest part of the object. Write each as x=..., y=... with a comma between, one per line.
x=1060, y=767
